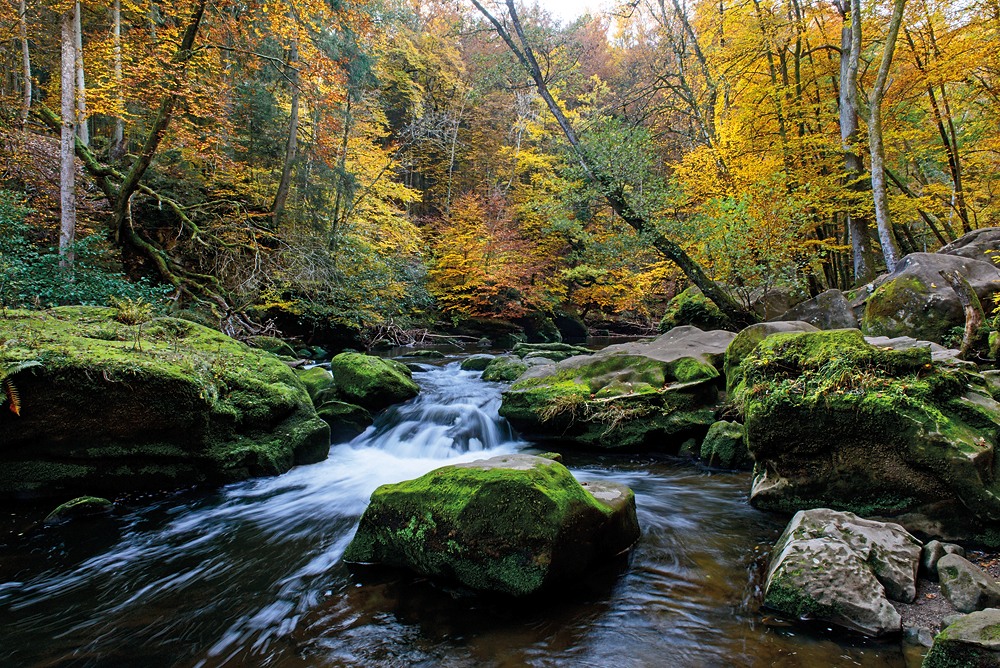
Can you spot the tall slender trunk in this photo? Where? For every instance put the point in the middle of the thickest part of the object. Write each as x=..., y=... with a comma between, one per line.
x=850, y=58
x=67, y=146
x=82, y=129
x=883, y=218
x=25, y=62
x=451, y=157
x=118, y=137
x=291, y=146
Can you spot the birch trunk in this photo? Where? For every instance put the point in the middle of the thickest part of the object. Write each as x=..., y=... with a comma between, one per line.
x=118, y=137
x=25, y=62
x=67, y=167
x=291, y=147
x=883, y=218
x=81, y=89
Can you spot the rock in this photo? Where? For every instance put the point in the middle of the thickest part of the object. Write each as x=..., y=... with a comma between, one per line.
x=832, y=421
x=371, y=382
x=915, y=301
x=938, y=352
x=747, y=340
x=346, y=420
x=476, y=362
x=841, y=569
x=632, y=396
x=692, y=307
x=426, y=354
x=271, y=344
x=770, y=304
x=725, y=447
x=973, y=641
x=827, y=310
x=316, y=379
x=932, y=553
x=195, y=406
x=504, y=369
x=570, y=326
x=83, y=506
x=554, y=351
x=918, y=636
x=966, y=585
x=982, y=244
x=513, y=524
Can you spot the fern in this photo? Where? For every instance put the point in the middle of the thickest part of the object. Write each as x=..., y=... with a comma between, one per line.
x=9, y=388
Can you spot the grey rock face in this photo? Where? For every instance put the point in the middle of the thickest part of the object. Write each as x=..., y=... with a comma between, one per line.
x=966, y=585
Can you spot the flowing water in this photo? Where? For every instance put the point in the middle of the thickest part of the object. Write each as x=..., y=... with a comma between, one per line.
x=250, y=575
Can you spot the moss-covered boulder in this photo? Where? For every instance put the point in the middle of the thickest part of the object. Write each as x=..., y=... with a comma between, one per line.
x=513, y=524
x=81, y=506
x=476, y=362
x=972, y=641
x=838, y=568
x=504, y=369
x=692, y=307
x=833, y=421
x=634, y=396
x=194, y=406
x=747, y=341
x=916, y=301
x=554, y=351
x=271, y=344
x=725, y=447
x=346, y=420
x=371, y=382
x=316, y=379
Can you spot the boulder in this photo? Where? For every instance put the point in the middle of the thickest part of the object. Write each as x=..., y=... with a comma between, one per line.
x=916, y=301
x=504, y=369
x=570, y=325
x=971, y=641
x=82, y=506
x=632, y=396
x=692, y=307
x=513, y=524
x=316, y=379
x=554, y=351
x=426, y=354
x=725, y=447
x=271, y=344
x=748, y=339
x=938, y=352
x=771, y=303
x=838, y=568
x=932, y=553
x=194, y=406
x=346, y=420
x=966, y=585
x=476, y=362
x=982, y=244
x=371, y=382
x=827, y=310
x=832, y=421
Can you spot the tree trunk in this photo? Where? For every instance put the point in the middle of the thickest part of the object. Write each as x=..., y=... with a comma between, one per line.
x=850, y=58
x=974, y=340
x=613, y=193
x=118, y=137
x=82, y=129
x=25, y=62
x=67, y=166
x=883, y=218
x=291, y=147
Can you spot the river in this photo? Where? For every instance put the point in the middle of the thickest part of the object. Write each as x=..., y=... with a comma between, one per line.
x=250, y=574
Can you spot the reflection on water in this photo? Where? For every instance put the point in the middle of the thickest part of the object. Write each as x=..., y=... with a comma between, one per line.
x=250, y=574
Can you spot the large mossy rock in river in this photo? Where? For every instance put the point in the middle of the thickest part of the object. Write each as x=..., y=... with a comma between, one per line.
x=193, y=406
x=371, y=382
x=692, y=307
x=632, y=396
x=972, y=641
x=833, y=421
x=512, y=524
x=838, y=568
x=916, y=301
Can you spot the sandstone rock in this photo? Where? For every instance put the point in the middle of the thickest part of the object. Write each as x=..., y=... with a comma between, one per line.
x=966, y=585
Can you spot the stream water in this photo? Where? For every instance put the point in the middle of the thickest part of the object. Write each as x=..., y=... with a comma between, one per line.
x=250, y=575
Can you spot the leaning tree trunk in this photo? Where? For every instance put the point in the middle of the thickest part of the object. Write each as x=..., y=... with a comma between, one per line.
x=974, y=339
x=67, y=166
x=850, y=58
x=883, y=218
x=82, y=129
x=613, y=193
x=291, y=147
x=25, y=62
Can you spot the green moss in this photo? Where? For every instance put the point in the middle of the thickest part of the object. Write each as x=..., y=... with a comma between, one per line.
x=492, y=528
x=724, y=446
x=898, y=307
x=476, y=362
x=691, y=307
x=316, y=379
x=504, y=370
x=371, y=382
x=186, y=405
x=792, y=601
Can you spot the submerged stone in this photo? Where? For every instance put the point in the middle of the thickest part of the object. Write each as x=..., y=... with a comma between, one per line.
x=82, y=506
x=513, y=524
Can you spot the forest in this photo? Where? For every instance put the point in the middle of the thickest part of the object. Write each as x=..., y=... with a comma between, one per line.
x=337, y=169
